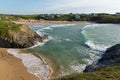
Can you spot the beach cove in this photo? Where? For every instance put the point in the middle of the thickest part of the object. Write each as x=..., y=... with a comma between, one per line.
x=75, y=46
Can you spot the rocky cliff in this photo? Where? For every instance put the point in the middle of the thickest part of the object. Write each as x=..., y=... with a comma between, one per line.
x=110, y=58
x=22, y=38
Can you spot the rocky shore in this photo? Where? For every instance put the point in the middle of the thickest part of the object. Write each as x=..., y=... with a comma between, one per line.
x=110, y=58
x=23, y=38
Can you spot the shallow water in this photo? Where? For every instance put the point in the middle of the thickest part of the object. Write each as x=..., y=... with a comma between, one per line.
x=73, y=46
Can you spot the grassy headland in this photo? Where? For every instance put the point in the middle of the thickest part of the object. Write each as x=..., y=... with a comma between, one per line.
x=108, y=73
x=5, y=26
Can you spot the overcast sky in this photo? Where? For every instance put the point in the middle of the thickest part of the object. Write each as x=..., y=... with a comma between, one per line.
x=58, y=6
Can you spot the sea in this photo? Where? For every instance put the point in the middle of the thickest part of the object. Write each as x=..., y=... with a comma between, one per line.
x=71, y=47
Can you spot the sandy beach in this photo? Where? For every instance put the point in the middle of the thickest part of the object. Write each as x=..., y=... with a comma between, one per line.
x=29, y=22
x=35, y=63
x=12, y=68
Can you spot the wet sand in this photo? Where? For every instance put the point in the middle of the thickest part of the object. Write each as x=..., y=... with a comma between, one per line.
x=11, y=68
x=35, y=63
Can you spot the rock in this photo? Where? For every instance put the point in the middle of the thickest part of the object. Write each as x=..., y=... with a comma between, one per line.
x=23, y=38
x=111, y=57
x=111, y=54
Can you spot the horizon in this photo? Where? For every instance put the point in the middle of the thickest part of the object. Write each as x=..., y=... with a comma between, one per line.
x=22, y=7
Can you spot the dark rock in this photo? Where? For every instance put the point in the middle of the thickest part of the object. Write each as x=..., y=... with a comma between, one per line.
x=111, y=57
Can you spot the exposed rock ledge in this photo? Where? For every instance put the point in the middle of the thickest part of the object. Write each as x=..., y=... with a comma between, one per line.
x=110, y=58
x=23, y=38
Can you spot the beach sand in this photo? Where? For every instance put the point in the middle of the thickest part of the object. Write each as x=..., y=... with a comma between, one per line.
x=29, y=22
x=12, y=68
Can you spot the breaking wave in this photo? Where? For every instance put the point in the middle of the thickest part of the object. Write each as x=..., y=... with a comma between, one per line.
x=58, y=25
x=36, y=66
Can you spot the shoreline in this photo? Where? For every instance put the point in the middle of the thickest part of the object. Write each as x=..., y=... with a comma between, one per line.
x=38, y=22
x=11, y=68
x=45, y=71
x=43, y=58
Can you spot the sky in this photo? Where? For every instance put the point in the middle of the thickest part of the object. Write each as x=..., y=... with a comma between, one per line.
x=58, y=6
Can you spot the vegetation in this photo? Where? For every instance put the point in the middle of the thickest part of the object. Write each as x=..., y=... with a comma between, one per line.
x=27, y=16
x=4, y=17
x=105, y=19
x=109, y=73
x=6, y=24
x=99, y=18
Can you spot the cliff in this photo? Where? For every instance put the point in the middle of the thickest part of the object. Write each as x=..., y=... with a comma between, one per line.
x=22, y=38
x=110, y=58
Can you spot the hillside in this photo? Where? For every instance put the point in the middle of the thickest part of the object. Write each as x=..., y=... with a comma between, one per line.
x=17, y=35
x=109, y=73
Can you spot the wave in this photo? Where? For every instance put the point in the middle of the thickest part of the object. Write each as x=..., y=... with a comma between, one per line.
x=78, y=68
x=44, y=41
x=92, y=26
x=58, y=25
x=67, y=39
x=97, y=47
x=39, y=32
x=40, y=43
x=90, y=43
x=97, y=50
x=36, y=66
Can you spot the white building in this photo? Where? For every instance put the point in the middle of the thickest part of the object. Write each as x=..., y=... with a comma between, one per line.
x=118, y=13
x=77, y=16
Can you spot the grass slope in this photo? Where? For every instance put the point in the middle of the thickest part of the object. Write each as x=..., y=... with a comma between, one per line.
x=109, y=73
x=5, y=26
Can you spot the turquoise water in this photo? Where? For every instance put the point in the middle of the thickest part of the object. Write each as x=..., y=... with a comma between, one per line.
x=73, y=46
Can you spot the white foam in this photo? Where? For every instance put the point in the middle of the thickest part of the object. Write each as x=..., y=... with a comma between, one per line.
x=67, y=39
x=36, y=66
x=58, y=25
x=92, y=26
x=78, y=68
x=41, y=43
x=96, y=46
x=39, y=32
x=87, y=61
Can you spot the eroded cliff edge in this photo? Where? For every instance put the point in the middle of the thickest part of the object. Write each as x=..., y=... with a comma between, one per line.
x=22, y=38
x=110, y=58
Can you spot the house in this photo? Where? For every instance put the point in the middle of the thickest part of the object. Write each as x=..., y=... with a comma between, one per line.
x=58, y=15
x=77, y=16
x=93, y=14
x=117, y=14
x=52, y=16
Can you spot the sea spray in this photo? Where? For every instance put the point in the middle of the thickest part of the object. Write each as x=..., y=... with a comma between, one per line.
x=36, y=66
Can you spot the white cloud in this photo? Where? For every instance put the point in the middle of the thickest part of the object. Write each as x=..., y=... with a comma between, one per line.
x=106, y=5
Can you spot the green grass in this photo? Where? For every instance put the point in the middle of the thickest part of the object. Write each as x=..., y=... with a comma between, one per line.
x=109, y=73
x=29, y=16
x=5, y=26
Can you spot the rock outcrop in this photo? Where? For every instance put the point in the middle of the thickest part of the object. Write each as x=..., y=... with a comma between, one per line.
x=110, y=58
x=23, y=38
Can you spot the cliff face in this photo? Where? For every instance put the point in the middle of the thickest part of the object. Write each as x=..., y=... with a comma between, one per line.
x=23, y=38
x=110, y=58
